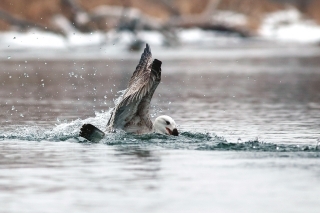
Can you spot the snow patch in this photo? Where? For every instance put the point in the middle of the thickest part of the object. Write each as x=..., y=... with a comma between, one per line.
x=46, y=40
x=290, y=26
x=32, y=39
x=199, y=37
x=230, y=18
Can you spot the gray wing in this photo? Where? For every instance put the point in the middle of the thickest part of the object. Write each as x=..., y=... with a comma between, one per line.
x=132, y=112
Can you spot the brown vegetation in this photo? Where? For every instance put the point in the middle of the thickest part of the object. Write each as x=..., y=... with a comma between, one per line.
x=313, y=11
x=41, y=11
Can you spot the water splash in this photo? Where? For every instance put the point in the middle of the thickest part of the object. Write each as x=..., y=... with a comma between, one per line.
x=318, y=144
x=121, y=93
x=61, y=132
x=185, y=141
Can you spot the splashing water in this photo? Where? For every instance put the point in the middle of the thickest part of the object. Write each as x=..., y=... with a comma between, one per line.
x=121, y=93
x=185, y=141
x=62, y=131
x=69, y=131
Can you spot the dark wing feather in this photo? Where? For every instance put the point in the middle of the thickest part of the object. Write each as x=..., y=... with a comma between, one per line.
x=145, y=61
x=136, y=99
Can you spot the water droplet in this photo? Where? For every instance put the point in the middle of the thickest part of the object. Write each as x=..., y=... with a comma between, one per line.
x=42, y=80
x=170, y=102
x=9, y=57
x=12, y=108
x=94, y=99
x=10, y=76
x=21, y=115
x=94, y=88
x=105, y=96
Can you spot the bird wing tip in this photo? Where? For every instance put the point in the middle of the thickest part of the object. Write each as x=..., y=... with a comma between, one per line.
x=148, y=49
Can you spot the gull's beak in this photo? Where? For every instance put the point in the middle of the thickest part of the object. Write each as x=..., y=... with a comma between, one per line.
x=173, y=132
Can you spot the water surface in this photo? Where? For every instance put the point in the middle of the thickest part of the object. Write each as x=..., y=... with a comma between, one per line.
x=249, y=130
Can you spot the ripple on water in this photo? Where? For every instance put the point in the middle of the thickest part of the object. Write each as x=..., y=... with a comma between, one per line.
x=186, y=141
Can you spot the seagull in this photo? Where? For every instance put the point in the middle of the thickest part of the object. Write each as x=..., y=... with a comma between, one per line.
x=131, y=114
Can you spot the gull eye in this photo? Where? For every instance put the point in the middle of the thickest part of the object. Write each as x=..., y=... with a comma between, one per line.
x=167, y=122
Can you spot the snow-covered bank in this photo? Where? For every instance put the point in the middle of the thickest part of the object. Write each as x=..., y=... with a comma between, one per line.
x=10, y=41
x=44, y=40
x=120, y=52
x=281, y=27
x=290, y=26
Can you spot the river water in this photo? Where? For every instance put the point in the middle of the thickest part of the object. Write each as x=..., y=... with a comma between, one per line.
x=248, y=117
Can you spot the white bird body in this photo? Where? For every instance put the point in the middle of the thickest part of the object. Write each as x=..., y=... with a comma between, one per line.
x=131, y=114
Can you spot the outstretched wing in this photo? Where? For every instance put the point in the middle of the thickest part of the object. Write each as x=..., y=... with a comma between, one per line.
x=133, y=109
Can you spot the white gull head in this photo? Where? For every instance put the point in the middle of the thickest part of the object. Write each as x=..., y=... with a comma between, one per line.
x=165, y=125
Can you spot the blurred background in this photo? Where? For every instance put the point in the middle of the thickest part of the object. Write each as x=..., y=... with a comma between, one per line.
x=169, y=22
